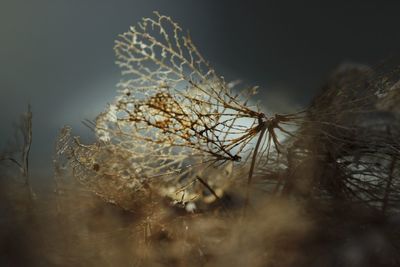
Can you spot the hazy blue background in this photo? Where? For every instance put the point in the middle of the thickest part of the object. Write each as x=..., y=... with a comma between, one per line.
x=58, y=54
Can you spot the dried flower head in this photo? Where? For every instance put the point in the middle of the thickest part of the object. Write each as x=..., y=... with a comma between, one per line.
x=347, y=147
x=173, y=113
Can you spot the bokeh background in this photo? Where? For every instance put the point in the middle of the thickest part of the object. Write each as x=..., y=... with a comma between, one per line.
x=57, y=54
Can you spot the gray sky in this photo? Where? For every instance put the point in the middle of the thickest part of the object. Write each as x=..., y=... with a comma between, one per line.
x=58, y=54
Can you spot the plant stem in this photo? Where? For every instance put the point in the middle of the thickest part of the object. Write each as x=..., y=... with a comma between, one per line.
x=208, y=187
x=253, y=162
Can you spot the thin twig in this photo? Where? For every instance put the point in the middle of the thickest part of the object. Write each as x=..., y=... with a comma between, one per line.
x=253, y=161
x=208, y=187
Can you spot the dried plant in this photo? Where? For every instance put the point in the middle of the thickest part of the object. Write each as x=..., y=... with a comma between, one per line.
x=174, y=92
x=18, y=153
x=172, y=116
x=348, y=146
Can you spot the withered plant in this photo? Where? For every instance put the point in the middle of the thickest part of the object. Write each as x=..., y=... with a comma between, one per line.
x=347, y=148
x=18, y=152
x=173, y=116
